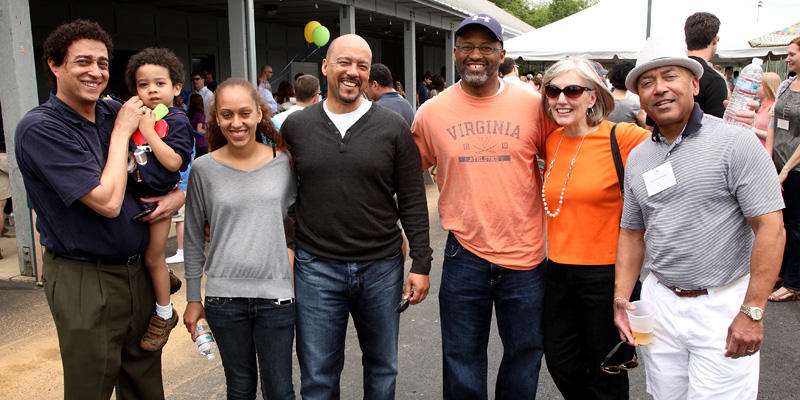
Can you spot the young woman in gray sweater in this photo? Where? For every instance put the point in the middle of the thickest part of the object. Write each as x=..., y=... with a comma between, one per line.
x=249, y=299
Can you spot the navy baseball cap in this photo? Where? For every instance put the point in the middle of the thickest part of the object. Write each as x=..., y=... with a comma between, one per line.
x=484, y=20
x=599, y=69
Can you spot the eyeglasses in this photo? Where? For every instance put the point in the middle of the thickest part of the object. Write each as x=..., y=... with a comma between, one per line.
x=468, y=49
x=197, y=78
x=615, y=369
x=571, y=91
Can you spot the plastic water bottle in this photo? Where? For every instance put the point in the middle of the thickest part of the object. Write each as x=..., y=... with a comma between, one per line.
x=746, y=86
x=205, y=340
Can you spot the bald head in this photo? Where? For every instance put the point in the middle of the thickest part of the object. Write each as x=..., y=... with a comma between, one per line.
x=349, y=40
x=346, y=67
x=266, y=73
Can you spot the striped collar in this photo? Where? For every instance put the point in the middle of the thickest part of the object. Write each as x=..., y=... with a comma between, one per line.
x=692, y=126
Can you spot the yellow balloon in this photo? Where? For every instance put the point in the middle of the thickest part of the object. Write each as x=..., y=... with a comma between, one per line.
x=309, y=30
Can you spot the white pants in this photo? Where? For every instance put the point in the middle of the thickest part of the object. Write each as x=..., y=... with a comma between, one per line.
x=686, y=358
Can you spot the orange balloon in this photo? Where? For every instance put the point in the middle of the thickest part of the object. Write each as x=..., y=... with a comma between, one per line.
x=309, y=30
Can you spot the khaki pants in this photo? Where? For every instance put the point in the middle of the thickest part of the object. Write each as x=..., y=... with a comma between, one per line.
x=101, y=312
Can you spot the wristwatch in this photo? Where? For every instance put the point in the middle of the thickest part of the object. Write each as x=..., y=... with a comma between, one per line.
x=754, y=313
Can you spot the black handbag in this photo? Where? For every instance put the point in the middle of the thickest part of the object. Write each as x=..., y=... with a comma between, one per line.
x=618, y=161
x=637, y=288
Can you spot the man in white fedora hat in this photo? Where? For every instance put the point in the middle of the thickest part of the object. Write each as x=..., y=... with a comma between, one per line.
x=703, y=198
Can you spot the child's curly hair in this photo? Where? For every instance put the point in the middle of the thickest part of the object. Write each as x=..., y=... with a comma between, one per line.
x=154, y=56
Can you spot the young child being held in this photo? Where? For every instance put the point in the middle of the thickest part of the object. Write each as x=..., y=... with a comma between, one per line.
x=155, y=75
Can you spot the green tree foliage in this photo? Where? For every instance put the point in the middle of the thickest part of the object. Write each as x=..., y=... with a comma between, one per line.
x=542, y=12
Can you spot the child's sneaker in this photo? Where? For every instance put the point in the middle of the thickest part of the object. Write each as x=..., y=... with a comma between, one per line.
x=158, y=332
x=175, y=259
x=174, y=283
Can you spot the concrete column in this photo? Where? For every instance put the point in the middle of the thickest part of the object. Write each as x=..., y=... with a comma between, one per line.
x=241, y=30
x=449, y=61
x=347, y=19
x=18, y=96
x=410, y=65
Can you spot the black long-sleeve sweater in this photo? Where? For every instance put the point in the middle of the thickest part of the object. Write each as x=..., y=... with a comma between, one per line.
x=345, y=208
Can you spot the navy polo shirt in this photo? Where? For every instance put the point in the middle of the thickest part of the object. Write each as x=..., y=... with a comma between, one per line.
x=394, y=102
x=61, y=156
x=152, y=179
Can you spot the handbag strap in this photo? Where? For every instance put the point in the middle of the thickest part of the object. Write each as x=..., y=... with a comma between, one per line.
x=618, y=161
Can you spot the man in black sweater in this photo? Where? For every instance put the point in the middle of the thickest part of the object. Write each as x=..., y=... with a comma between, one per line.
x=352, y=157
x=701, y=40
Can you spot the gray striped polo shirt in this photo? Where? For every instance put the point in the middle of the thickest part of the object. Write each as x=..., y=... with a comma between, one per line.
x=696, y=233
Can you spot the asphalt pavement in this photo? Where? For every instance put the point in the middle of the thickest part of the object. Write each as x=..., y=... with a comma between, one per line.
x=30, y=364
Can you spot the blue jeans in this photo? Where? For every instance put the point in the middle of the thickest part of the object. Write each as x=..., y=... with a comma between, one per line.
x=328, y=291
x=470, y=287
x=247, y=329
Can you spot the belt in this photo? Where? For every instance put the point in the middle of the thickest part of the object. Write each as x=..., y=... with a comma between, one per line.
x=681, y=292
x=686, y=292
x=102, y=260
x=282, y=302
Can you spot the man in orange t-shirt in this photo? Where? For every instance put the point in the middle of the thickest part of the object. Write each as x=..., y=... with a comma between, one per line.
x=484, y=136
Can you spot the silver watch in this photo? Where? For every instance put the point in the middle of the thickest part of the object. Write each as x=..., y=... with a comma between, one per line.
x=754, y=313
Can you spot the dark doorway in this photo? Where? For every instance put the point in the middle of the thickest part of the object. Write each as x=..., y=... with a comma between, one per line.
x=204, y=62
x=116, y=74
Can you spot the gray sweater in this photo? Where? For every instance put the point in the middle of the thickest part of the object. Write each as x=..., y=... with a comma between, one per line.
x=245, y=209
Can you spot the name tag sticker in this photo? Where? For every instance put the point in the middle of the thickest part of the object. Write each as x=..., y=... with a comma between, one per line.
x=659, y=178
x=783, y=123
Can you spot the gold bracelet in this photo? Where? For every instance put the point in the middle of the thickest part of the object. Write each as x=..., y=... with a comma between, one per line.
x=618, y=298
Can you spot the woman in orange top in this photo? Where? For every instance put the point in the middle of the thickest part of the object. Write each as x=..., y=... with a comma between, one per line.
x=582, y=199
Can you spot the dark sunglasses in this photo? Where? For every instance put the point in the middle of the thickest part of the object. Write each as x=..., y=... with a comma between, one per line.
x=571, y=91
x=196, y=79
x=615, y=369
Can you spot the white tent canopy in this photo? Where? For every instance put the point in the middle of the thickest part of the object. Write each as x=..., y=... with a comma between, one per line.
x=617, y=28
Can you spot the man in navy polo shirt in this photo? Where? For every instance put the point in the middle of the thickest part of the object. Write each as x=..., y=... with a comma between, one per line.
x=423, y=93
x=73, y=154
x=381, y=92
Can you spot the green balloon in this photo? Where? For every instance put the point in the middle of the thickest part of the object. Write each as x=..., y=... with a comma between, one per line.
x=321, y=35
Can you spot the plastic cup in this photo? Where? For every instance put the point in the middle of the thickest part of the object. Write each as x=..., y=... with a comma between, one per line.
x=642, y=320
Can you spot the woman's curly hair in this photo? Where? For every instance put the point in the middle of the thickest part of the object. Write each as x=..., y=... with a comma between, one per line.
x=265, y=130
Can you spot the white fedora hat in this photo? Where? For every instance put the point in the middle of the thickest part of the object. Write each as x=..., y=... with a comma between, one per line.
x=659, y=52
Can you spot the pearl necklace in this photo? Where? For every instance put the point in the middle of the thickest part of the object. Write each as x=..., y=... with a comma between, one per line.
x=550, y=169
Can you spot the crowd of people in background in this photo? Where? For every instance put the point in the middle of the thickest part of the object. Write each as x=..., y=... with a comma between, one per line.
x=635, y=161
